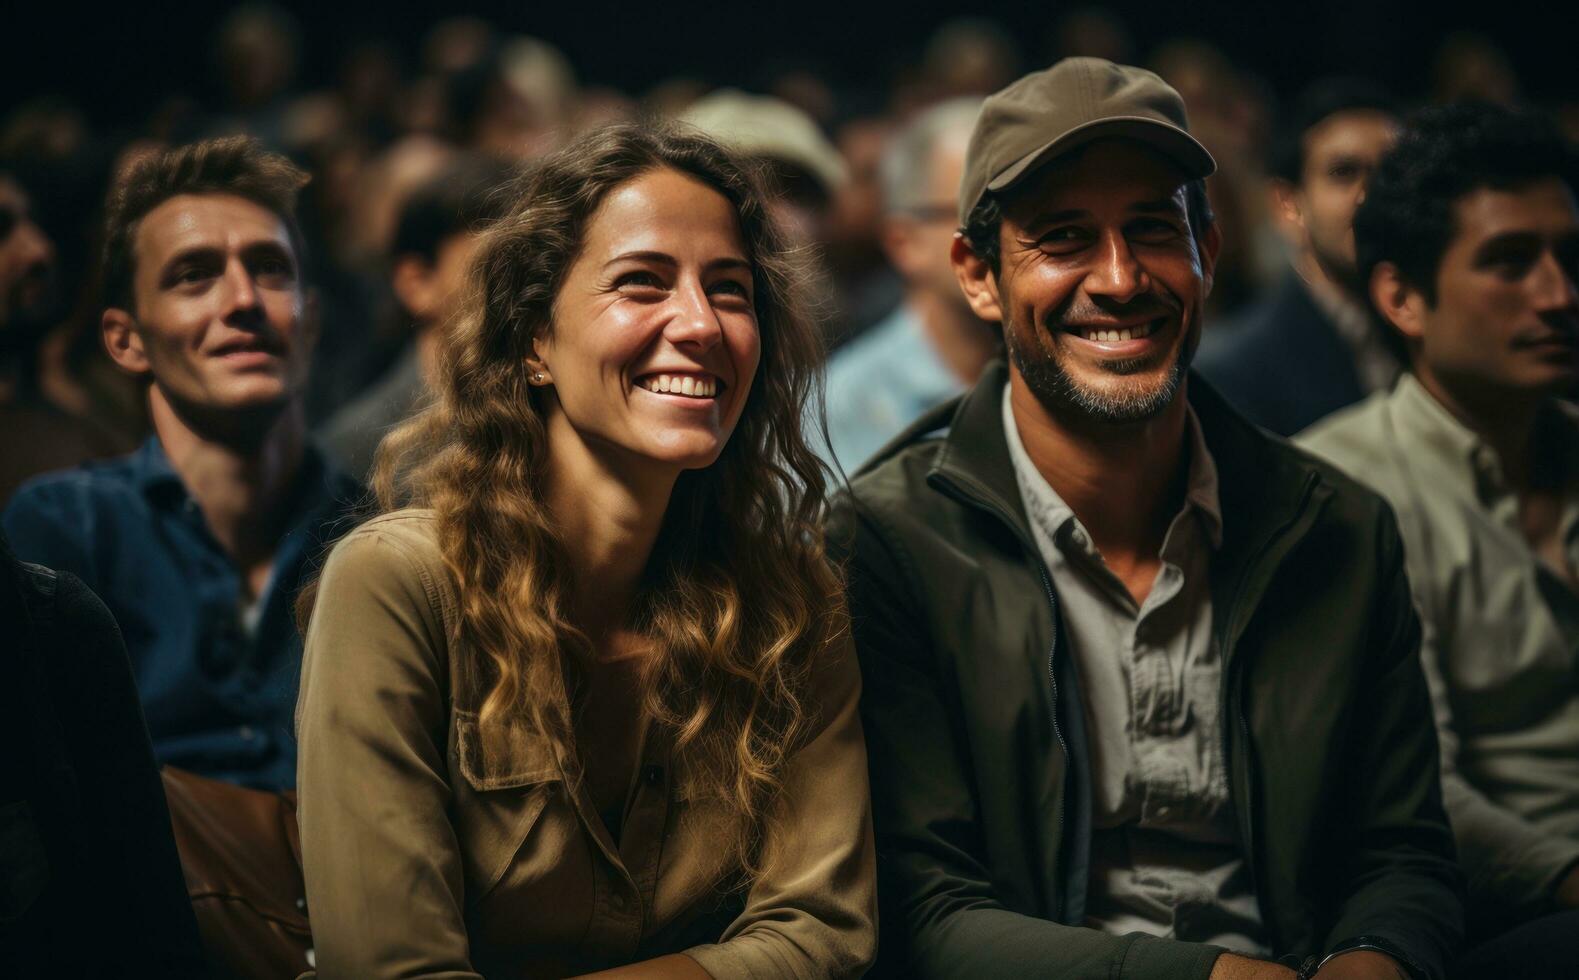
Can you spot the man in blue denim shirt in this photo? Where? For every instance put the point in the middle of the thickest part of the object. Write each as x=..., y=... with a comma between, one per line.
x=199, y=541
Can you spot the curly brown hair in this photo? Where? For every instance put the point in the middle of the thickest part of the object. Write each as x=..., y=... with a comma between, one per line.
x=738, y=595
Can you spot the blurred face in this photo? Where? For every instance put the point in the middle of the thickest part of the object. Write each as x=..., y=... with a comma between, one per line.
x=220, y=313
x=1506, y=317
x=1101, y=283
x=27, y=258
x=1341, y=153
x=654, y=342
x=431, y=292
x=919, y=240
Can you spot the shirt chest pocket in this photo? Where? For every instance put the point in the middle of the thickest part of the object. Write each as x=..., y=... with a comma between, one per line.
x=510, y=806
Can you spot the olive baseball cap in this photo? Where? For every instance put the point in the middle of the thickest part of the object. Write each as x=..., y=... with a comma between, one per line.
x=1078, y=100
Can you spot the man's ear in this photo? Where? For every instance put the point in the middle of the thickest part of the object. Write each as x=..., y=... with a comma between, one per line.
x=976, y=280
x=412, y=281
x=1285, y=204
x=1399, y=302
x=122, y=341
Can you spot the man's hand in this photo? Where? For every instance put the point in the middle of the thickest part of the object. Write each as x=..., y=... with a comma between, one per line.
x=1362, y=964
x=1568, y=889
x=1231, y=967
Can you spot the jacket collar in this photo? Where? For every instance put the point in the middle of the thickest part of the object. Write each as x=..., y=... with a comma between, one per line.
x=1264, y=484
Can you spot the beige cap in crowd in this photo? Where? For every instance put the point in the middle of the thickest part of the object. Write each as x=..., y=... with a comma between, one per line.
x=762, y=126
x=1076, y=101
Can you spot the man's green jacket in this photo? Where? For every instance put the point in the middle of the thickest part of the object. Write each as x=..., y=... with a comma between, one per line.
x=980, y=776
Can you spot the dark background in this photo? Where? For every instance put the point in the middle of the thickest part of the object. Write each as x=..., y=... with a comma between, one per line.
x=117, y=64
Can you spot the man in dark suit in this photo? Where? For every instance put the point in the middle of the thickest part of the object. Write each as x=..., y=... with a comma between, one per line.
x=1311, y=347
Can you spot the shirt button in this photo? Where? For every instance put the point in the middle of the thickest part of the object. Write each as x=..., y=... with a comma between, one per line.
x=618, y=901
x=652, y=775
x=247, y=733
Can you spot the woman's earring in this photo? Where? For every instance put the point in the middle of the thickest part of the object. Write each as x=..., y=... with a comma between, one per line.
x=538, y=377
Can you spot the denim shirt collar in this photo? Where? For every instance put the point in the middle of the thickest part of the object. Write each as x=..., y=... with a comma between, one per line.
x=318, y=483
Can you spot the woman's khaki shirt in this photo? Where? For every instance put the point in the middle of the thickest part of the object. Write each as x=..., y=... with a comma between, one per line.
x=426, y=858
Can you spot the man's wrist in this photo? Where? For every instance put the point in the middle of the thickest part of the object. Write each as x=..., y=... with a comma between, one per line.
x=1363, y=956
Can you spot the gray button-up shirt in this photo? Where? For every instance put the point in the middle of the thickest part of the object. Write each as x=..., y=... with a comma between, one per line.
x=1500, y=642
x=1166, y=857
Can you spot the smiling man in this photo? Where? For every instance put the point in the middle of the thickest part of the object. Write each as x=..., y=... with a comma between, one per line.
x=1470, y=244
x=198, y=541
x=1141, y=693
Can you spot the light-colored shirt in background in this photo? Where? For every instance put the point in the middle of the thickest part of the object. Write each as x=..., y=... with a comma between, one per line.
x=881, y=382
x=1166, y=858
x=1500, y=640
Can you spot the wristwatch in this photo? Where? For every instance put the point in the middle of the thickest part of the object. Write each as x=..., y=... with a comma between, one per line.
x=1314, y=963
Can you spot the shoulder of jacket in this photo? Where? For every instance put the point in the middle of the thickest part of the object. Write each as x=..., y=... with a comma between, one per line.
x=897, y=483
x=411, y=533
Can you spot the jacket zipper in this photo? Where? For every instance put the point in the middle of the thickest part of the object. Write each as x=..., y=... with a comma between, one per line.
x=1234, y=703
x=963, y=496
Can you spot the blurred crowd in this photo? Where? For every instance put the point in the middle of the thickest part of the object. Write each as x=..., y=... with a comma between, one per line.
x=348, y=226
x=391, y=133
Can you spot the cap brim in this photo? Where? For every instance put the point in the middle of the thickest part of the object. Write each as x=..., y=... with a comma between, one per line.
x=1171, y=141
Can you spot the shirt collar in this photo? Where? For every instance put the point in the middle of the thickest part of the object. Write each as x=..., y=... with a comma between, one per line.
x=1457, y=457
x=1048, y=510
x=154, y=475
x=317, y=482
x=1454, y=453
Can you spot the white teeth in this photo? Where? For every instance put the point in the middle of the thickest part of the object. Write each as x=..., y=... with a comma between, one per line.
x=1112, y=336
x=680, y=384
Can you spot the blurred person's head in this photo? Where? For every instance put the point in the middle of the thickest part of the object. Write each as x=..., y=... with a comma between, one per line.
x=971, y=56
x=1093, y=32
x=803, y=84
x=921, y=170
x=1319, y=163
x=46, y=128
x=601, y=105
x=542, y=78
x=672, y=96
x=27, y=270
x=457, y=44
x=637, y=307
x=259, y=45
x=203, y=287
x=437, y=235
x=1469, y=242
x=1087, y=236
x=855, y=224
x=806, y=170
x=382, y=188
x=1471, y=67
x=369, y=80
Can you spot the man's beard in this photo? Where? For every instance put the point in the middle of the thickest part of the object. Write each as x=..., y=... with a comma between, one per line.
x=1062, y=394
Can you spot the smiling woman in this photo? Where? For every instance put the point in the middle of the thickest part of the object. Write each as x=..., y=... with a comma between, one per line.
x=582, y=698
